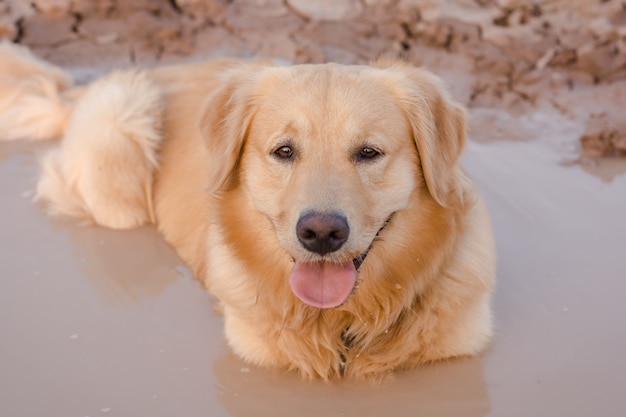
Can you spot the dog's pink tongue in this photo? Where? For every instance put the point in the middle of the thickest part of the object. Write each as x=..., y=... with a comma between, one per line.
x=322, y=284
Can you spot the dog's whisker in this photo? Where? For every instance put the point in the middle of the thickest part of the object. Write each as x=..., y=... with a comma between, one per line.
x=283, y=322
x=360, y=318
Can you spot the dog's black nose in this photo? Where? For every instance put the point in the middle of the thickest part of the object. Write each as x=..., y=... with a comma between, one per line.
x=322, y=232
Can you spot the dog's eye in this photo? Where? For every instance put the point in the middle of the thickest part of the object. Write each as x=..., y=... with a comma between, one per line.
x=367, y=153
x=284, y=152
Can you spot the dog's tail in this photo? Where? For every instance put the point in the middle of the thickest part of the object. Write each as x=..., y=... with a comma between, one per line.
x=36, y=98
x=102, y=169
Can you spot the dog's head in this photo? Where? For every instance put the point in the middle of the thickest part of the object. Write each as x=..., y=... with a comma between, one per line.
x=329, y=153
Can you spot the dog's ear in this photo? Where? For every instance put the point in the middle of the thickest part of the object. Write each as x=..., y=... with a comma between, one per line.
x=224, y=126
x=438, y=124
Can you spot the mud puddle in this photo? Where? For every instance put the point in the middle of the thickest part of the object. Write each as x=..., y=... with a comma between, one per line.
x=95, y=322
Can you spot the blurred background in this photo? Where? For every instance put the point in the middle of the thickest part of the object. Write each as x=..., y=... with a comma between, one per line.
x=557, y=55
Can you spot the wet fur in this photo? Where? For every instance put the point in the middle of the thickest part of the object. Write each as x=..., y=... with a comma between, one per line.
x=187, y=148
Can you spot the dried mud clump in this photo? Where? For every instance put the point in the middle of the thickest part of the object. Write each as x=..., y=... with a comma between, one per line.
x=502, y=54
x=600, y=140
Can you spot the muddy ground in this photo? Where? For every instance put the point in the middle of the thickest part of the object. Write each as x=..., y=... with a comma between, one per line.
x=95, y=322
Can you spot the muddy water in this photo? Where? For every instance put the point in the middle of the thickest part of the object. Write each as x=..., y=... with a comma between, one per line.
x=96, y=322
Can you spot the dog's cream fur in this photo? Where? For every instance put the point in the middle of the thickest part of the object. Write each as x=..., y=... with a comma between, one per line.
x=191, y=148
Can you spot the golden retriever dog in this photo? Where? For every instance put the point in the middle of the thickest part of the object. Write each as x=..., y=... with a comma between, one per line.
x=323, y=205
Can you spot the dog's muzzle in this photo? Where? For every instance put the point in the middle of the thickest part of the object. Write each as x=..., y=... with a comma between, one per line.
x=324, y=284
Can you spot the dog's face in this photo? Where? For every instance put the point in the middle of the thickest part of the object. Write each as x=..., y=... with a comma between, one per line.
x=328, y=154
x=333, y=154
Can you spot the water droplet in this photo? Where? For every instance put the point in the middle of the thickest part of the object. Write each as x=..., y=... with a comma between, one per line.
x=74, y=337
x=398, y=287
x=105, y=410
x=245, y=370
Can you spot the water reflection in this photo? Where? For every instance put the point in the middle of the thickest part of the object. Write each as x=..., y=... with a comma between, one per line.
x=607, y=169
x=453, y=388
x=126, y=266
